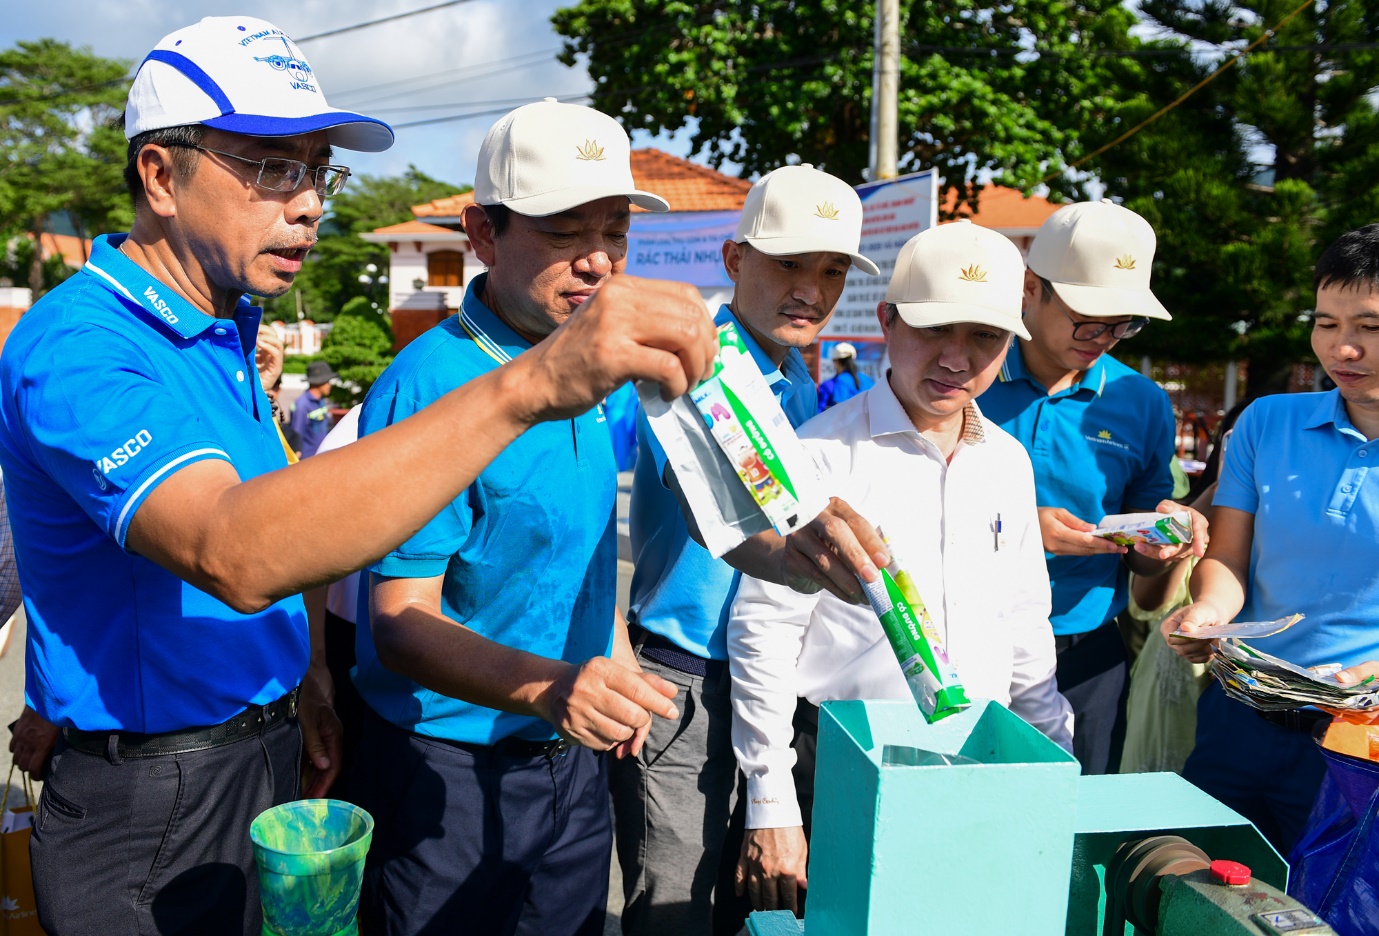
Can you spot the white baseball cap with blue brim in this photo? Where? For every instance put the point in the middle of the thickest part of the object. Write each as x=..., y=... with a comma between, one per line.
x=241, y=75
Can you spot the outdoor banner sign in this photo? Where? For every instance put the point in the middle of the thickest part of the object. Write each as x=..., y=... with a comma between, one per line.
x=893, y=211
x=684, y=246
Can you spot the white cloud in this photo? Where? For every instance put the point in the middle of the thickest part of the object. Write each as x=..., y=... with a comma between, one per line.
x=457, y=39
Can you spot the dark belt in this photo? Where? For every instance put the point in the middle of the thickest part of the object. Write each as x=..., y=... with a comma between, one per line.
x=1295, y=719
x=118, y=745
x=517, y=747
x=655, y=647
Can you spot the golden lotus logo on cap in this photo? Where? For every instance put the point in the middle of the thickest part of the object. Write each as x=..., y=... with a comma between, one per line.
x=826, y=211
x=1126, y=262
x=1104, y=434
x=973, y=274
x=590, y=151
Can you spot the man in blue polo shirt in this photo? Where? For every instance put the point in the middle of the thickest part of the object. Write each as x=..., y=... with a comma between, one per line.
x=1101, y=438
x=796, y=240
x=151, y=500
x=1295, y=525
x=497, y=670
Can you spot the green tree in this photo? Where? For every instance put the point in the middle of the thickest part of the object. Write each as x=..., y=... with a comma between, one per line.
x=330, y=277
x=60, y=148
x=1003, y=88
x=359, y=347
x=1249, y=179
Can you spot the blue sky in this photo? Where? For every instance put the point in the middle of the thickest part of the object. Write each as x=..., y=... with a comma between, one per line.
x=411, y=69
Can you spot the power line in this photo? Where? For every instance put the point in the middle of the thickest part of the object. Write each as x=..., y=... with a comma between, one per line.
x=1264, y=36
x=453, y=104
x=535, y=53
x=483, y=113
x=469, y=77
x=385, y=19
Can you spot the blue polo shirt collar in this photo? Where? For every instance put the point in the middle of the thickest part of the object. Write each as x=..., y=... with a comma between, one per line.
x=1093, y=378
x=792, y=370
x=156, y=300
x=1330, y=411
x=490, y=333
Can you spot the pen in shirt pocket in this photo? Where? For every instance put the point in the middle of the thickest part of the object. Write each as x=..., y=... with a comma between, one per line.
x=996, y=531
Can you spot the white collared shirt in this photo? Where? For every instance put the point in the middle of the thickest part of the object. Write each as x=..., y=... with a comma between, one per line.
x=987, y=590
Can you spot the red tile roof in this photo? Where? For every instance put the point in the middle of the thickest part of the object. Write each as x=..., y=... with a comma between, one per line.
x=413, y=227
x=1001, y=208
x=448, y=207
x=687, y=186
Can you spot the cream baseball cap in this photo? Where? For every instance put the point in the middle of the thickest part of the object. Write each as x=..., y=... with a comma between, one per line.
x=959, y=272
x=799, y=210
x=1098, y=257
x=843, y=350
x=241, y=75
x=545, y=158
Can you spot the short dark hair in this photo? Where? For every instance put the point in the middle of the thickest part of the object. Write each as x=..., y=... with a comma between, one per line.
x=1047, y=287
x=500, y=216
x=892, y=310
x=1353, y=260
x=178, y=140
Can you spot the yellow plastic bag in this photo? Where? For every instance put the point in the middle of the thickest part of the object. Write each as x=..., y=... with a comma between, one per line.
x=18, y=912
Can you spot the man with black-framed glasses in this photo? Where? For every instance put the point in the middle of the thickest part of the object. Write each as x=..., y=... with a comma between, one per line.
x=1102, y=440
x=163, y=540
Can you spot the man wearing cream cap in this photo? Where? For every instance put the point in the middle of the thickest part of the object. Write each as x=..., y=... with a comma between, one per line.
x=497, y=670
x=955, y=495
x=1101, y=438
x=796, y=240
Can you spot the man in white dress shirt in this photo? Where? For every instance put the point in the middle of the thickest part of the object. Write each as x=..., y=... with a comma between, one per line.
x=955, y=495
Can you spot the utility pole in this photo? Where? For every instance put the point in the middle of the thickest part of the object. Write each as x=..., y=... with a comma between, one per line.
x=885, y=92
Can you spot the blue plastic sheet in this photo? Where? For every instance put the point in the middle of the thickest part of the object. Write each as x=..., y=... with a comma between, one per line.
x=1335, y=865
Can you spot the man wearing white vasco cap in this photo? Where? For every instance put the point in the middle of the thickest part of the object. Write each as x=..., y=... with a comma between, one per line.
x=796, y=240
x=1102, y=439
x=167, y=635
x=956, y=497
x=497, y=671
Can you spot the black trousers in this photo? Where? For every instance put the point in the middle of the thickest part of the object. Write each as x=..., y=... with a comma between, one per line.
x=1095, y=679
x=472, y=840
x=730, y=911
x=158, y=845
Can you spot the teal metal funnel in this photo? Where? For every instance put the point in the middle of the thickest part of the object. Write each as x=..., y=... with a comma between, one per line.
x=962, y=826
x=310, y=857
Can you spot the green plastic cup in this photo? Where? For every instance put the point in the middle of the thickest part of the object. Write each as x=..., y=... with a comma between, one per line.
x=310, y=857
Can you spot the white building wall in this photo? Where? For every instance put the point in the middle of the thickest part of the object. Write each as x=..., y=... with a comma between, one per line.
x=408, y=264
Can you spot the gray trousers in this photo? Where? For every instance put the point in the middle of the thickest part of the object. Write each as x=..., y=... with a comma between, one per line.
x=671, y=806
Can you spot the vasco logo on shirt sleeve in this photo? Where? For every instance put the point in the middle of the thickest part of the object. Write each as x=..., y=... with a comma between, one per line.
x=121, y=455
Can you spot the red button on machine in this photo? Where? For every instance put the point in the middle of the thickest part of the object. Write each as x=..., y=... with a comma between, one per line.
x=1230, y=872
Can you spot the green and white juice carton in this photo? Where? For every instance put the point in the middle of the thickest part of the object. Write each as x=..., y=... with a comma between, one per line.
x=753, y=432
x=909, y=629
x=739, y=467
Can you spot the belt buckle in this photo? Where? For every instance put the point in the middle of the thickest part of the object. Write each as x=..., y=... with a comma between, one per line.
x=292, y=702
x=557, y=748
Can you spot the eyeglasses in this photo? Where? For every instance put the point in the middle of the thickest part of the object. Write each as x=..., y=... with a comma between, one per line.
x=1091, y=331
x=279, y=174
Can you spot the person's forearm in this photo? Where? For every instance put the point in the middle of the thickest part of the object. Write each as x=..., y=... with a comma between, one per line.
x=1146, y=566
x=352, y=505
x=1216, y=583
x=449, y=658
